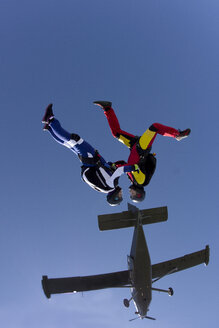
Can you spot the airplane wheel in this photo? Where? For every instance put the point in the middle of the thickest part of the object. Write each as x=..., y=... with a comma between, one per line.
x=170, y=291
x=126, y=302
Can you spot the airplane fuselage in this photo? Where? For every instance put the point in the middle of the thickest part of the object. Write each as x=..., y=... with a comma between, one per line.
x=140, y=267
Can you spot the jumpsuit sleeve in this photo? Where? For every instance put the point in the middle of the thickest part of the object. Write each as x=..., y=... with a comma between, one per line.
x=127, y=167
x=118, y=172
x=121, y=170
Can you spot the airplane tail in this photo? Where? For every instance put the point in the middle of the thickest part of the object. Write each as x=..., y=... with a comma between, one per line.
x=130, y=218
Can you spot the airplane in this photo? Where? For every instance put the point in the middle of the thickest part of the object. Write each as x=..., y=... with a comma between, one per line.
x=141, y=274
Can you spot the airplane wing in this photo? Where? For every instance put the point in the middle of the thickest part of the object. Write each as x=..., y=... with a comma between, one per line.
x=80, y=284
x=181, y=263
x=128, y=218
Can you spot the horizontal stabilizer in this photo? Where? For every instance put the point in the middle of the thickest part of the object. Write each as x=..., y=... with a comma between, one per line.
x=80, y=284
x=181, y=263
x=129, y=218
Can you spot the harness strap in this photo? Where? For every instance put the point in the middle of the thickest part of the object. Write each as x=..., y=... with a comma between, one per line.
x=143, y=153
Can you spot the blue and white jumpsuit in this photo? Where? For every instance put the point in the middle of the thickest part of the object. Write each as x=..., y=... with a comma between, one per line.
x=95, y=171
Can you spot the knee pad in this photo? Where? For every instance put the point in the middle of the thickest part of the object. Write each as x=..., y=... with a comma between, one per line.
x=153, y=127
x=75, y=137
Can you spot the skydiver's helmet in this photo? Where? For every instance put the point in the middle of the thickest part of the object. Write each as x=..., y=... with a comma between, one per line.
x=137, y=193
x=114, y=197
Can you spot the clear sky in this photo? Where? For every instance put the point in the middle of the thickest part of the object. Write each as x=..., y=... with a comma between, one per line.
x=157, y=61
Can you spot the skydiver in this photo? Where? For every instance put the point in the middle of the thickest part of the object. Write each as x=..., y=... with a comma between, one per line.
x=140, y=149
x=95, y=171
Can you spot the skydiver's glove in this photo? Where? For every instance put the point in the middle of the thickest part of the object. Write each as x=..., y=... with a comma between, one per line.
x=136, y=168
x=113, y=166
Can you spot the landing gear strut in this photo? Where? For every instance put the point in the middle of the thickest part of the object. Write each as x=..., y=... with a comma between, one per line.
x=169, y=291
x=126, y=302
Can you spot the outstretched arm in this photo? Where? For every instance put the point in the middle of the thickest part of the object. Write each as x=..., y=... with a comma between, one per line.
x=123, y=169
x=117, y=173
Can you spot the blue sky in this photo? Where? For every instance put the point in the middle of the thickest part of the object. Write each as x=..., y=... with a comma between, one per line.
x=157, y=61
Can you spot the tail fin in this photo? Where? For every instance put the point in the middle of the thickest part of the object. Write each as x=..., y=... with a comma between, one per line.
x=129, y=218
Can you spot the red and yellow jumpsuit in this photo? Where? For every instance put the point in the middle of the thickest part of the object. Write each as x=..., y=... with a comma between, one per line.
x=137, y=143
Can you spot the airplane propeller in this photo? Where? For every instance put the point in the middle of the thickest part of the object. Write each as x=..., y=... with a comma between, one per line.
x=145, y=317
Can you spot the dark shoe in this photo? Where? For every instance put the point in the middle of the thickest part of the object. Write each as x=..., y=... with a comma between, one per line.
x=48, y=116
x=46, y=127
x=105, y=105
x=183, y=134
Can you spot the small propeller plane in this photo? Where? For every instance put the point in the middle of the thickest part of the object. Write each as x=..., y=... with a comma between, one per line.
x=141, y=275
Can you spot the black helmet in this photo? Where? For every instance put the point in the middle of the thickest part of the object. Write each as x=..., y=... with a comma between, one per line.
x=139, y=194
x=113, y=197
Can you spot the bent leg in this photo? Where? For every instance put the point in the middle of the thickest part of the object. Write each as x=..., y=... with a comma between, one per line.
x=72, y=141
x=55, y=136
x=59, y=132
x=123, y=136
x=164, y=130
x=147, y=138
x=63, y=137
